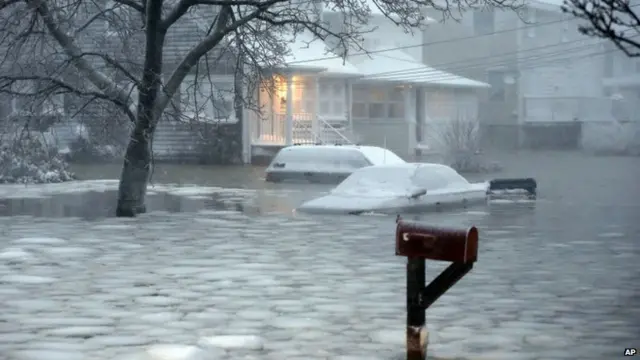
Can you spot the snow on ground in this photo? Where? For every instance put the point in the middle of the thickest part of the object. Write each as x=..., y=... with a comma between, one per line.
x=222, y=285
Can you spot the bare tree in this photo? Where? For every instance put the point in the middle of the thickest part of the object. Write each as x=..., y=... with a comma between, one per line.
x=92, y=49
x=615, y=20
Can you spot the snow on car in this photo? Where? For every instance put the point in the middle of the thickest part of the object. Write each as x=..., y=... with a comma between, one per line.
x=329, y=164
x=400, y=188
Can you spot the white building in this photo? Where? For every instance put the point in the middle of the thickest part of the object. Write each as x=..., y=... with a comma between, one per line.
x=383, y=98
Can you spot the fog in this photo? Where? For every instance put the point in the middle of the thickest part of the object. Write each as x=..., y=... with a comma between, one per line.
x=144, y=213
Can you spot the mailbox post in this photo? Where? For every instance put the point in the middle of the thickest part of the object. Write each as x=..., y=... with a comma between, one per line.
x=418, y=243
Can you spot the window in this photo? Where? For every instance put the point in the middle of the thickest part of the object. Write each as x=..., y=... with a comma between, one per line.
x=332, y=100
x=483, y=21
x=396, y=103
x=496, y=80
x=359, y=106
x=209, y=99
x=378, y=103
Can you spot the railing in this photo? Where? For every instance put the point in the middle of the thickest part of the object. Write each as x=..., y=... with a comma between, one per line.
x=331, y=134
x=267, y=129
x=272, y=130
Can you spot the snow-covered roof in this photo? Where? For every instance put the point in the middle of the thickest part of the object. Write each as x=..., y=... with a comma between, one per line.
x=548, y=5
x=375, y=11
x=312, y=54
x=397, y=66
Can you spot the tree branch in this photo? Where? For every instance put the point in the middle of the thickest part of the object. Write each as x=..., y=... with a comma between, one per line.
x=183, y=6
x=113, y=62
x=615, y=20
x=193, y=56
x=55, y=85
x=6, y=3
x=100, y=80
x=132, y=4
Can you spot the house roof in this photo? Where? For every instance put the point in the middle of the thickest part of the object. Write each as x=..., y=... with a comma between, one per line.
x=546, y=5
x=309, y=54
x=397, y=66
x=375, y=11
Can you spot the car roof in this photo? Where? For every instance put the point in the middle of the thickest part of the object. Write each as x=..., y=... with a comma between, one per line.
x=375, y=154
x=407, y=166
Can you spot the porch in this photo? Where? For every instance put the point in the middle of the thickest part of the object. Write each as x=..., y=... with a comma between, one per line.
x=302, y=109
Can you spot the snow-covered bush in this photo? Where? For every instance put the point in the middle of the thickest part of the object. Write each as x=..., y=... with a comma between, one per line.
x=26, y=160
x=457, y=142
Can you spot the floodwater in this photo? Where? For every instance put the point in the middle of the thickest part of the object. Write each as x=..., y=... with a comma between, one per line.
x=557, y=279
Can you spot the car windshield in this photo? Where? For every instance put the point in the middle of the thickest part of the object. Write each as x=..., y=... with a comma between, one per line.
x=437, y=177
x=320, y=156
x=374, y=178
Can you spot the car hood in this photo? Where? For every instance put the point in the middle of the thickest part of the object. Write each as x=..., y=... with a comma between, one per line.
x=344, y=204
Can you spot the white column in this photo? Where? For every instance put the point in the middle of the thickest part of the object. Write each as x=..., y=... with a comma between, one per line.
x=409, y=117
x=289, y=115
x=315, y=124
x=349, y=104
x=248, y=123
x=420, y=118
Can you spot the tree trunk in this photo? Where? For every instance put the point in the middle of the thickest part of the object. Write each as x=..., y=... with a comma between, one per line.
x=134, y=177
x=137, y=161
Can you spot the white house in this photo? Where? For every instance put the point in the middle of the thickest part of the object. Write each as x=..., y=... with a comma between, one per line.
x=383, y=98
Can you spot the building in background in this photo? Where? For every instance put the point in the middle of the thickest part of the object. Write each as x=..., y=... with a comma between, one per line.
x=546, y=78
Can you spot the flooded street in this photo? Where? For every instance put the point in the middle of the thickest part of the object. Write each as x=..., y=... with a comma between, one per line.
x=556, y=279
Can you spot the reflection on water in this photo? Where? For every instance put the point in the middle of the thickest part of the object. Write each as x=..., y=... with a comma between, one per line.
x=100, y=204
x=589, y=184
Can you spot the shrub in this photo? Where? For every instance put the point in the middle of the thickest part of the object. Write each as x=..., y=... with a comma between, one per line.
x=457, y=141
x=28, y=160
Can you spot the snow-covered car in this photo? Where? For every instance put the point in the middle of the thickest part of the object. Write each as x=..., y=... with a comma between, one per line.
x=328, y=164
x=402, y=188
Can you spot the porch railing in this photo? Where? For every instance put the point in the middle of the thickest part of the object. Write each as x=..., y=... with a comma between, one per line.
x=333, y=133
x=271, y=130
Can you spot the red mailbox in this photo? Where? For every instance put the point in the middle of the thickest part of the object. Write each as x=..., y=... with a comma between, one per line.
x=434, y=243
x=420, y=242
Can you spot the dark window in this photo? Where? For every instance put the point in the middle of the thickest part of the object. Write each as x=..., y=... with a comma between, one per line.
x=359, y=110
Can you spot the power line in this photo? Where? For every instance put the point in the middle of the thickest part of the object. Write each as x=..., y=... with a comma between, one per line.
x=533, y=63
x=446, y=66
x=427, y=44
x=530, y=62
